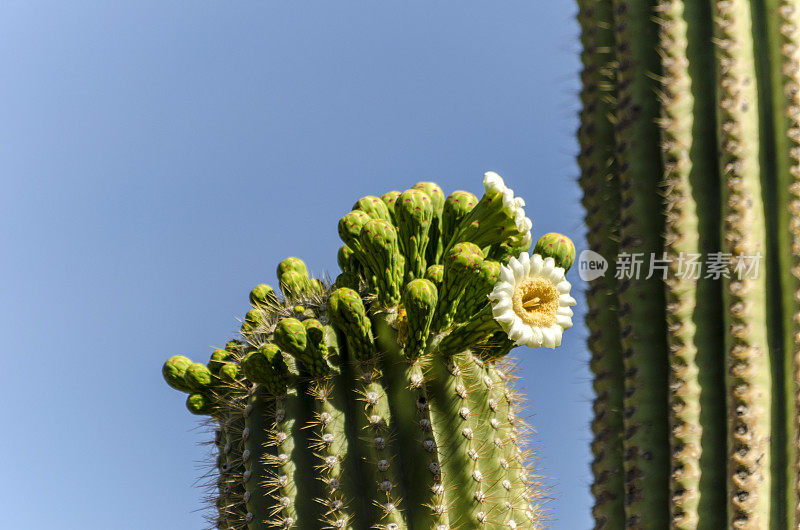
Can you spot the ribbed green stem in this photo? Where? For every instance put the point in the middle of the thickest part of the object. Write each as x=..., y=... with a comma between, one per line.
x=696, y=358
x=454, y=433
x=487, y=481
x=381, y=468
x=419, y=454
x=601, y=201
x=510, y=502
x=292, y=479
x=747, y=370
x=782, y=20
x=220, y=500
x=641, y=310
x=232, y=505
x=259, y=417
x=329, y=444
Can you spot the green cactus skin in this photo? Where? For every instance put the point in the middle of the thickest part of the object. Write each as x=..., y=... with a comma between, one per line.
x=782, y=41
x=692, y=227
x=721, y=78
x=382, y=401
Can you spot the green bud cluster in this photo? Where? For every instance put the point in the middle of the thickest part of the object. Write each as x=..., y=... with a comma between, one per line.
x=379, y=401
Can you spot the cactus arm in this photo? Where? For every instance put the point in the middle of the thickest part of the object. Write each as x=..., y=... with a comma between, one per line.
x=641, y=301
x=419, y=453
x=694, y=336
x=782, y=18
x=601, y=201
x=747, y=370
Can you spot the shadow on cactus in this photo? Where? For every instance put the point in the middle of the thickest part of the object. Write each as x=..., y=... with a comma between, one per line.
x=384, y=400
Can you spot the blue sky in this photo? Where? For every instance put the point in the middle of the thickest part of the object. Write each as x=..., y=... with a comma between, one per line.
x=158, y=159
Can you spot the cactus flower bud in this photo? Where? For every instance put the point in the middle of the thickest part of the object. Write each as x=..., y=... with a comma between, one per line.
x=252, y=320
x=290, y=336
x=266, y=367
x=434, y=249
x=174, y=371
x=198, y=376
x=292, y=264
x=219, y=358
x=262, y=294
x=461, y=262
x=456, y=207
x=379, y=240
x=346, y=310
x=556, y=246
x=414, y=213
x=390, y=199
x=373, y=207
x=199, y=404
x=419, y=300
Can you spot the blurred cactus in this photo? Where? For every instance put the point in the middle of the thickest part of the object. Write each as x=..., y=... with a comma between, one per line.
x=690, y=150
x=385, y=400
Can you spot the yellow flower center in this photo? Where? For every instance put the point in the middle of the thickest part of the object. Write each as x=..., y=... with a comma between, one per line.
x=536, y=302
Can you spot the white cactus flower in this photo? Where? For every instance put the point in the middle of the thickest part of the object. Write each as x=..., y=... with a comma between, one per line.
x=493, y=184
x=532, y=302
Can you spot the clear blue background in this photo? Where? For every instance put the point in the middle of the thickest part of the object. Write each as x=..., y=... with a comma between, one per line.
x=158, y=158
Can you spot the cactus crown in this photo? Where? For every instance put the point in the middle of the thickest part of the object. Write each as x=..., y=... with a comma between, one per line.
x=382, y=400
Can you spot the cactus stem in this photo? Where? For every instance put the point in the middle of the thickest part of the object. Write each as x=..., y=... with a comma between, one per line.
x=694, y=338
x=641, y=301
x=748, y=369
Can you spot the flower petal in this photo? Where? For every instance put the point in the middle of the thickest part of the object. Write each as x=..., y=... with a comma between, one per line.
x=493, y=183
x=548, y=337
x=548, y=266
x=564, y=322
x=563, y=287
x=566, y=299
x=536, y=264
x=557, y=275
x=515, y=331
x=503, y=304
x=507, y=275
x=525, y=336
x=525, y=260
x=564, y=311
x=516, y=266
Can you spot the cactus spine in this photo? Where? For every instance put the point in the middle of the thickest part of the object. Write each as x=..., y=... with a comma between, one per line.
x=690, y=109
x=386, y=400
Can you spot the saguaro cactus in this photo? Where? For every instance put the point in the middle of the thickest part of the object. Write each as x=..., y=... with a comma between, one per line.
x=689, y=156
x=385, y=400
